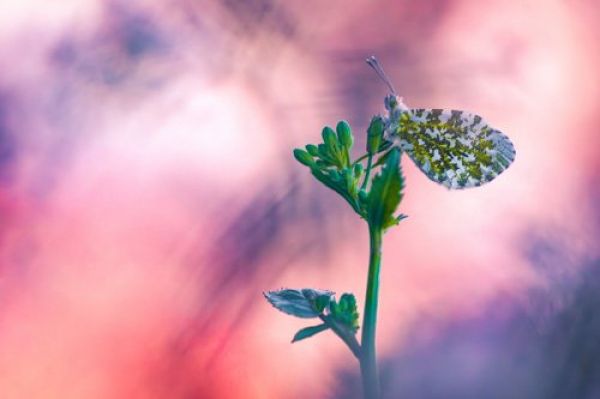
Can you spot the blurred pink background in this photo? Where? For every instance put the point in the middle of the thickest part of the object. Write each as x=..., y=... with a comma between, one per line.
x=148, y=196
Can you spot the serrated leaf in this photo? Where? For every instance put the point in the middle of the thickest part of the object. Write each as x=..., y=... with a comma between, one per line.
x=299, y=303
x=386, y=192
x=308, y=332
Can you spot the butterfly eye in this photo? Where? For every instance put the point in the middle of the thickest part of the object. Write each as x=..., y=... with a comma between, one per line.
x=391, y=102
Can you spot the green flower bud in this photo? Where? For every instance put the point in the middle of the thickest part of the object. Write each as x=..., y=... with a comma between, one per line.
x=347, y=302
x=347, y=173
x=335, y=175
x=329, y=139
x=374, y=134
x=358, y=170
x=323, y=164
x=344, y=134
x=312, y=150
x=322, y=302
x=322, y=151
x=363, y=197
x=303, y=157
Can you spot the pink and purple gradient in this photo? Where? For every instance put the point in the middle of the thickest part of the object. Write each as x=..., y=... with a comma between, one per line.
x=148, y=194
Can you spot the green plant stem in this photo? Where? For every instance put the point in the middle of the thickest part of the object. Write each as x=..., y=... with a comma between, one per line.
x=349, y=339
x=368, y=171
x=360, y=159
x=368, y=359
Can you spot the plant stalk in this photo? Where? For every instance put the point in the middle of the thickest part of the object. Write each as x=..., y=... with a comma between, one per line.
x=349, y=339
x=368, y=359
x=368, y=171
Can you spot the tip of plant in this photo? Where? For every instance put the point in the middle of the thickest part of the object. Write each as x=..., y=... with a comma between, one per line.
x=344, y=134
x=266, y=294
x=374, y=134
x=303, y=157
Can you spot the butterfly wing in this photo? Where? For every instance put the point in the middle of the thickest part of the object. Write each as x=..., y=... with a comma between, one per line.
x=454, y=148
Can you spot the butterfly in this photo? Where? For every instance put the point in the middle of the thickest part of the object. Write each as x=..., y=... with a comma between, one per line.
x=457, y=149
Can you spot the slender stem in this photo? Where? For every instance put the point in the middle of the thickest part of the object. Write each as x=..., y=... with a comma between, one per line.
x=349, y=339
x=368, y=171
x=368, y=360
x=360, y=159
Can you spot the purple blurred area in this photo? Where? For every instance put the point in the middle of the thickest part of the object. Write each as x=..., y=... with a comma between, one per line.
x=148, y=196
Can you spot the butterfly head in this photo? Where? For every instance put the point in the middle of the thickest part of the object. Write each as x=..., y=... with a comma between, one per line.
x=393, y=103
x=395, y=108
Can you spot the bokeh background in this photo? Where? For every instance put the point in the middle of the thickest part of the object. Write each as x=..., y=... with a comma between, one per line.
x=148, y=196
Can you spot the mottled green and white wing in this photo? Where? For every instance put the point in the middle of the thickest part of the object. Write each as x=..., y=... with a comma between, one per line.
x=454, y=148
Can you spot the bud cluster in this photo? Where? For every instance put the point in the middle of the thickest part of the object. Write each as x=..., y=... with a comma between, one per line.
x=330, y=161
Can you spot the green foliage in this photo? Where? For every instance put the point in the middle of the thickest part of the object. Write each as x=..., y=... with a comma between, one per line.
x=345, y=312
x=358, y=171
x=454, y=148
x=330, y=163
x=299, y=303
x=303, y=157
x=308, y=332
x=386, y=193
x=375, y=201
x=333, y=180
x=308, y=303
x=321, y=302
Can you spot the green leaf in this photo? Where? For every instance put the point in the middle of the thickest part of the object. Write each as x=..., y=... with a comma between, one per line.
x=345, y=312
x=299, y=303
x=308, y=332
x=332, y=179
x=386, y=192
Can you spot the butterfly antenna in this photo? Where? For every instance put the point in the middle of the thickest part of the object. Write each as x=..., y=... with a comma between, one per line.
x=373, y=63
